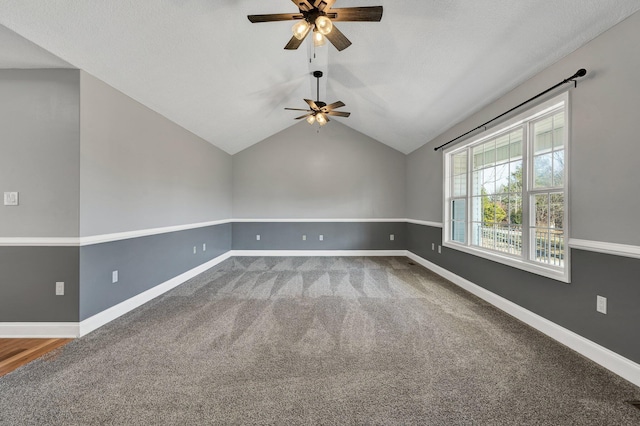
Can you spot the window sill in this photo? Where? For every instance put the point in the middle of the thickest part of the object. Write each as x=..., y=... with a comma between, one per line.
x=556, y=274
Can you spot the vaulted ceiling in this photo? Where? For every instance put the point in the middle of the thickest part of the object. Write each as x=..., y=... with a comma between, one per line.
x=426, y=66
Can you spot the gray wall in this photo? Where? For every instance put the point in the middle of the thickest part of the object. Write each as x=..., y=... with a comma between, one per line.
x=604, y=145
x=331, y=172
x=39, y=144
x=28, y=284
x=336, y=235
x=604, y=148
x=143, y=263
x=140, y=170
x=572, y=306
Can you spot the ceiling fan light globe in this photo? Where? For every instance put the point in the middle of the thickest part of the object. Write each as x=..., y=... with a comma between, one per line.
x=311, y=119
x=318, y=39
x=300, y=29
x=323, y=25
x=322, y=120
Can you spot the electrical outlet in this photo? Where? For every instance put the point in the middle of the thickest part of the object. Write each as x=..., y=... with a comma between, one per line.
x=204, y=246
x=439, y=249
x=321, y=237
x=433, y=246
x=114, y=277
x=258, y=237
x=10, y=198
x=304, y=238
x=601, y=304
x=392, y=237
x=59, y=289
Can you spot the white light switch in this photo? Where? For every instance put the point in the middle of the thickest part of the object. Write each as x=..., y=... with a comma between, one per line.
x=59, y=289
x=204, y=246
x=321, y=237
x=258, y=237
x=433, y=246
x=304, y=238
x=601, y=304
x=114, y=277
x=439, y=249
x=392, y=237
x=10, y=198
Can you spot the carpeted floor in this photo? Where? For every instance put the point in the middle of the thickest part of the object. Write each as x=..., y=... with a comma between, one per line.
x=333, y=340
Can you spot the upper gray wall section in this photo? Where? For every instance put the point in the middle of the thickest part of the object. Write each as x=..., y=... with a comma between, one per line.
x=39, y=144
x=604, y=146
x=139, y=170
x=331, y=172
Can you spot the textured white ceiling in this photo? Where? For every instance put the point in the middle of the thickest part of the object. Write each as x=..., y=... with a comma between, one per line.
x=427, y=65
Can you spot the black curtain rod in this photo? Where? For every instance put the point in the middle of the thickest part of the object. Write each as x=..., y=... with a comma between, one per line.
x=580, y=73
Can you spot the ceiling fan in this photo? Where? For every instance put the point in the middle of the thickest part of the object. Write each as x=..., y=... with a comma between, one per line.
x=319, y=110
x=318, y=15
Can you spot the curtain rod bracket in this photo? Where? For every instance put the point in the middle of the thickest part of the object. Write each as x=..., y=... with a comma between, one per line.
x=580, y=73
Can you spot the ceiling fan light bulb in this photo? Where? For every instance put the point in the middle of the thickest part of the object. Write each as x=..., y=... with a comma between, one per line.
x=311, y=119
x=322, y=120
x=300, y=29
x=324, y=25
x=318, y=39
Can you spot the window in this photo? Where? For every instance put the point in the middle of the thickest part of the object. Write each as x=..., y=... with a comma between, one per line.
x=505, y=192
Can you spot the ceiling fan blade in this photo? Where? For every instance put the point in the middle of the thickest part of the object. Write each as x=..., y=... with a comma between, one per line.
x=333, y=106
x=305, y=5
x=338, y=39
x=323, y=5
x=299, y=109
x=294, y=43
x=274, y=17
x=312, y=104
x=367, y=13
x=303, y=116
x=339, y=113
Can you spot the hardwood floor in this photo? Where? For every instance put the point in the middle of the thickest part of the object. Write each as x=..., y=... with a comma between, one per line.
x=15, y=353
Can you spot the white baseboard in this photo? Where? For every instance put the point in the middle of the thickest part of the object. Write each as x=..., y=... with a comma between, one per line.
x=302, y=253
x=37, y=330
x=610, y=360
x=108, y=315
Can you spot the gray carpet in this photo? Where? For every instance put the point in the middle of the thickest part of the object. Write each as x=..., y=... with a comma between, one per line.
x=316, y=341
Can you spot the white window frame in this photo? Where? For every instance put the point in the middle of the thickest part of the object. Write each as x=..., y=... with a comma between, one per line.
x=522, y=262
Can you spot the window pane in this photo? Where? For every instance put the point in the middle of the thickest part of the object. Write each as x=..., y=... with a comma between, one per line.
x=483, y=235
x=543, y=135
x=549, y=246
x=515, y=240
x=476, y=209
x=515, y=149
x=458, y=230
x=558, y=168
x=478, y=181
x=515, y=210
x=556, y=211
x=542, y=171
x=478, y=157
x=502, y=149
x=490, y=153
x=489, y=181
x=515, y=176
x=459, y=209
x=459, y=185
x=502, y=177
x=541, y=204
x=460, y=163
x=558, y=130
